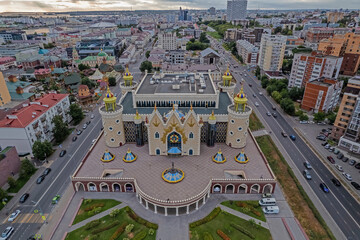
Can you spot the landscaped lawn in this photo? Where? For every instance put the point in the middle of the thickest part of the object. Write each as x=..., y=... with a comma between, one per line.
x=214, y=35
x=85, y=208
x=255, y=124
x=248, y=208
x=222, y=222
x=2, y=205
x=122, y=218
x=20, y=182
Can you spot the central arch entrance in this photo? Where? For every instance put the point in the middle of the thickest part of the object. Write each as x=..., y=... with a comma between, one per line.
x=174, y=144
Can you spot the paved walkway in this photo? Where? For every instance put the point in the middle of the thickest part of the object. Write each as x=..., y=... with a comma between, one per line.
x=259, y=133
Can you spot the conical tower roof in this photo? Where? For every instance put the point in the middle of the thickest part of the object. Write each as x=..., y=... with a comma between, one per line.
x=129, y=156
x=109, y=97
x=241, y=157
x=240, y=98
x=107, y=156
x=219, y=157
x=127, y=76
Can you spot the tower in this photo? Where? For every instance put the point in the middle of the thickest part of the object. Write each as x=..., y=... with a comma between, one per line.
x=75, y=54
x=128, y=84
x=227, y=85
x=238, y=121
x=111, y=115
x=138, y=129
x=211, y=130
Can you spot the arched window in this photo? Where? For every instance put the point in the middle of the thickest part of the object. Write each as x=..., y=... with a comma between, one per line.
x=191, y=135
x=157, y=151
x=191, y=152
x=157, y=135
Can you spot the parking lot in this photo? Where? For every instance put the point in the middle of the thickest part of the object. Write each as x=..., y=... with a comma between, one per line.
x=340, y=166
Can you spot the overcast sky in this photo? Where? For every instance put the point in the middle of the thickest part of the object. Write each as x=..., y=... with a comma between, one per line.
x=74, y=5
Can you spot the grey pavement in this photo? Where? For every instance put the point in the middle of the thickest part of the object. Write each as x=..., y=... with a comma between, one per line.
x=259, y=133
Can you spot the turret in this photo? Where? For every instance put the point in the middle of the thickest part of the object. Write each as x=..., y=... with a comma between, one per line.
x=128, y=84
x=227, y=85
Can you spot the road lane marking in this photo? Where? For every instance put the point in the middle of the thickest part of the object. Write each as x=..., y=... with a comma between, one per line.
x=28, y=220
x=26, y=216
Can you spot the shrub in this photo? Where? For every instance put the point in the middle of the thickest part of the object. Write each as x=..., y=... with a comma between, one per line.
x=92, y=224
x=241, y=204
x=141, y=235
x=256, y=212
x=243, y=230
x=206, y=219
x=129, y=228
x=99, y=230
x=94, y=237
x=222, y=235
x=140, y=220
x=87, y=201
x=96, y=205
x=208, y=236
x=118, y=231
x=151, y=232
x=114, y=212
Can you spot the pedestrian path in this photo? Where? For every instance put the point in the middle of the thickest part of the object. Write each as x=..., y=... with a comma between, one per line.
x=260, y=133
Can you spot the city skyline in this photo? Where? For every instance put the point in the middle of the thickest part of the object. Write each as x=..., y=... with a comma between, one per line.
x=103, y=5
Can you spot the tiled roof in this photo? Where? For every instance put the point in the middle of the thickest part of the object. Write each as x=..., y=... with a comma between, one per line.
x=73, y=78
x=24, y=116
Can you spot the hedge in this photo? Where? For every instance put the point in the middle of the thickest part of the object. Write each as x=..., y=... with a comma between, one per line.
x=99, y=230
x=141, y=235
x=140, y=220
x=222, y=235
x=119, y=231
x=206, y=219
x=208, y=236
x=92, y=224
x=243, y=230
x=96, y=205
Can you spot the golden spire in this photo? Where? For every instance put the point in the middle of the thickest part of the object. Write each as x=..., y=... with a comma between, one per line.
x=212, y=117
x=191, y=108
x=155, y=107
x=137, y=116
x=173, y=106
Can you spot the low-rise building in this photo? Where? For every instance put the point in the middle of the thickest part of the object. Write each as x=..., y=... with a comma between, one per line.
x=22, y=127
x=176, y=57
x=7, y=62
x=209, y=56
x=9, y=163
x=321, y=95
x=167, y=41
x=248, y=52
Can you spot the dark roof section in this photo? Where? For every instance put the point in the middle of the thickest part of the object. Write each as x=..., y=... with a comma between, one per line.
x=352, y=90
x=73, y=78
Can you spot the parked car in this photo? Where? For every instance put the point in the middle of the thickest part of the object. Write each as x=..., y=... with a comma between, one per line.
x=352, y=162
x=284, y=134
x=327, y=146
x=250, y=85
x=24, y=197
x=62, y=153
x=92, y=116
x=266, y=195
x=88, y=123
x=357, y=166
x=324, y=187
x=340, y=156
x=260, y=93
x=336, y=151
x=307, y=165
x=74, y=138
x=356, y=185
x=331, y=159
x=339, y=167
x=347, y=176
x=93, y=141
x=256, y=104
x=273, y=108
x=7, y=233
x=269, y=114
x=85, y=126
x=40, y=179
x=331, y=149
x=307, y=174
x=321, y=123
x=323, y=130
x=336, y=182
x=303, y=122
x=14, y=215
x=321, y=137
x=324, y=144
x=345, y=159
x=46, y=171
x=78, y=132
x=293, y=137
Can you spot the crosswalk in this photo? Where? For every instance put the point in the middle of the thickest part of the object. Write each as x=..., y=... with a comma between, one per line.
x=30, y=218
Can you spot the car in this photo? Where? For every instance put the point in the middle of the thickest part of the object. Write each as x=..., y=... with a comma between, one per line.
x=14, y=215
x=260, y=93
x=55, y=199
x=254, y=95
x=7, y=233
x=74, y=138
x=24, y=197
x=340, y=156
x=357, y=166
x=327, y=146
x=88, y=123
x=93, y=141
x=352, y=162
x=84, y=126
x=324, y=130
x=266, y=195
x=256, y=104
x=46, y=171
x=345, y=159
x=324, y=187
x=324, y=144
x=273, y=108
x=304, y=122
x=102, y=128
x=284, y=134
x=331, y=159
x=78, y=132
x=274, y=114
x=40, y=179
x=293, y=137
x=307, y=165
x=321, y=123
x=307, y=174
x=92, y=116
x=336, y=151
x=356, y=185
x=250, y=85
x=336, y=182
x=62, y=153
x=347, y=176
x=321, y=137
x=339, y=167
x=269, y=114
x=331, y=149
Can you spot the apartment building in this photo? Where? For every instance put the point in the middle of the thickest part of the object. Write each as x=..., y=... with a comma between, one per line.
x=272, y=50
x=236, y=9
x=315, y=35
x=321, y=95
x=310, y=66
x=248, y=52
x=334, y=17
x=33, y=121
x=167, y=41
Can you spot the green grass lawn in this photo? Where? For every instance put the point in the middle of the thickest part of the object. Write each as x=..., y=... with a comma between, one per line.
x=222, y=222
x=82, y=214
x=122, y=217
x=255, y=123
x=20, y=182
x=2, y=205
x=248, y=210
x=214, y=35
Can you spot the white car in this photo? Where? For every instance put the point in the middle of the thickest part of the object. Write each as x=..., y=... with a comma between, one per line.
x=260, y=93
x=85, y=126
x=93, y=141
x=338, y=167
x=92, y=116
x=14, y=215
x=347, y=176
x=256, y=104
x=6, y=233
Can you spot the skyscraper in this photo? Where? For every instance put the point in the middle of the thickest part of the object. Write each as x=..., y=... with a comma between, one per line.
x=236, y=9
x=184, y=15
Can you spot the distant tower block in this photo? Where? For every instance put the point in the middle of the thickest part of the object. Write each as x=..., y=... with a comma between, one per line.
x=128, y=84
x=227, y=85
x=238, y=121
x=111, y=115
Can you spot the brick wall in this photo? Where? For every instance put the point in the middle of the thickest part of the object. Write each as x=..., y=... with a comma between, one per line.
x=11, y=163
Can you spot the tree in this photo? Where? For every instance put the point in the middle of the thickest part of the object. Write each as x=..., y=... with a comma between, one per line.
x=146, y=65
x=112, y=81
x=60, y=130
x=331, y=116
x=12, y=182
x=41, y=150
x=64, y=64
x=86, y=81
x=276, y=96
x=27, y=168
x=288, y=106
x=296, y=93
x=203, y=38
x=277, y=30
x=264, y=81
x=76, y=113
x=304, y=117
x=257, y=71
x=83, y=67
x=270, y=88
x=147, y=54
x=319, y=117
x=192, y=40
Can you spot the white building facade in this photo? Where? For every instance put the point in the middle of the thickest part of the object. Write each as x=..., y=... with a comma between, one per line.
x=248, y=52
x=167, y=41
x=272, y=50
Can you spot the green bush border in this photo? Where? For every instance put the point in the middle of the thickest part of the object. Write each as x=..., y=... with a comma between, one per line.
x=206, y=219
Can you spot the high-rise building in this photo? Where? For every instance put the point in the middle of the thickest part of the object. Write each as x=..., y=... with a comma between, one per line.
x=4, y=92
x=184, y=15
x=248, y=52
x=310, y=66
x=212, y=11
x=167, y=41
x=334, y=17
x=272, y=50
x=236, y=9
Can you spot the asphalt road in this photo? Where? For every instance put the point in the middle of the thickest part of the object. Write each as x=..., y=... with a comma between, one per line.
x=342, y=207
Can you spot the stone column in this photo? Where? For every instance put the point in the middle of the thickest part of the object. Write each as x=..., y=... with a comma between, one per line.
x=187, y=209
x=155, y=208
x=146, y=204
x=197, y=205
x=177, y=211
x=165, y=211
x=204, y=199
x=140, y=200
